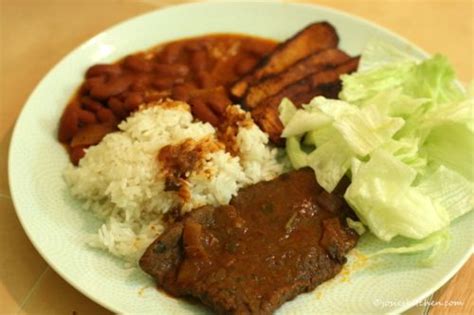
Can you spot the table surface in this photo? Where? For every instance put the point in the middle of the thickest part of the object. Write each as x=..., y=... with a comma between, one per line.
x=37, y=34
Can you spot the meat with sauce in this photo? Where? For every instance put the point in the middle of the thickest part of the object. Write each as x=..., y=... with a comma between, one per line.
x=274, y=240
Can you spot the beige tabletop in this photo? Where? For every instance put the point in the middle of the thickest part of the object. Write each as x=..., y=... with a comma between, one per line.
x=36, y=34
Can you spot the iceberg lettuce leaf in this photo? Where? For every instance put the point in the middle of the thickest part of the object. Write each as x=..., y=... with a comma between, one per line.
x=297, y=156
x=331, y=161
x=303, y=121
x=378, y=53
x=286, y=110
x=435, y=245
x=382, y=195
x=403, y=132
x=451, y=190
x=451, y=145
x=360, y=86
x=434, y=79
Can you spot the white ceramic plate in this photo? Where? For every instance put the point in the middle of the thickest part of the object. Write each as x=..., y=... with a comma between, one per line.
x=58, y=228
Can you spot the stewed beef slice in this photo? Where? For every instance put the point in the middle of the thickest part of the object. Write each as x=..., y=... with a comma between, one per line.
x=275, y=240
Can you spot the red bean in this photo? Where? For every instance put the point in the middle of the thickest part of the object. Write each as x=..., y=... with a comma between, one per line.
x=199, y=61
x=140, y=83
x=244, y=65
x=205, y=80
x=103, y=90
x=133, y=100
x=194, y=46
x=90, y=135
x=182, y=92
x=117, y=107
x=85, y=117
x=91, y=105
x=76, y=153
x=171, y=53
x=69, y=123
x=162, y=83
x=93, y=81
x=105, y=115
x=138, y=63
x=218, y=102
x=174, y=70
x=103, y=69
x=202, y=112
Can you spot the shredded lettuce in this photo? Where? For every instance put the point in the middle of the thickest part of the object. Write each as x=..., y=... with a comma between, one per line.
x=403, y=131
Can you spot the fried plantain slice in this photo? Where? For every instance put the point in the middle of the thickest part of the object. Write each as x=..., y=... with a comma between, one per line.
x=313, y=38
x=314, y=63
x=326, y=83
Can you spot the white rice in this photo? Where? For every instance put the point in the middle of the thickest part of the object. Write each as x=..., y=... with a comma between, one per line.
x=120, y=179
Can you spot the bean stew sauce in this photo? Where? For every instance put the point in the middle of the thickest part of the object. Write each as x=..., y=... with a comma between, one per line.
x=199, y=71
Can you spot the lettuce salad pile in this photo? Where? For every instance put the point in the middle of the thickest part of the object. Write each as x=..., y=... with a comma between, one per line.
x=402, y=131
